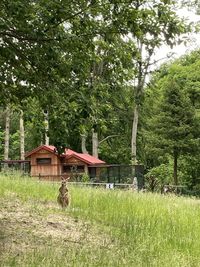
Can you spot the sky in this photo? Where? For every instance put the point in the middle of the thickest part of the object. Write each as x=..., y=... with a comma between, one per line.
x=181, y=49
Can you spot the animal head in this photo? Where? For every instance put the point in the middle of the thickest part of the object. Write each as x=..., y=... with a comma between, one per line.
x=64, y=180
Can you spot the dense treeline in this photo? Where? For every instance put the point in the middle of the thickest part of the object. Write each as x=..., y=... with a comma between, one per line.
x=171, y=121
x=78, y=69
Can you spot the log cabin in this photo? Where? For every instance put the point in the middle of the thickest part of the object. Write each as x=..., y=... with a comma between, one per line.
x=45, y=162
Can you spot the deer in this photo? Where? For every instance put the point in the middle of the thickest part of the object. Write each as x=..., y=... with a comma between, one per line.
x=63, y=197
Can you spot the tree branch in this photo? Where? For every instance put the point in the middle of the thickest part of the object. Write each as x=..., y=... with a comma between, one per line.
x=19, y=52
x=109, y=136
x=69, y=17
x=21, y=37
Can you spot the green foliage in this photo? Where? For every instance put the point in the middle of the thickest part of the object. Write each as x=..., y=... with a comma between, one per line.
x=190, y=169
x=34, y=123
x=172, y=125
x=176, y=119
x=15, y=145
x=1, y=143
x=163, y=173
x=85, y=178
x=79, y=61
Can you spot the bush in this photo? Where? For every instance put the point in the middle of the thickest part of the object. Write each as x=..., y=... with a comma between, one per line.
x=85, y=178
x=158, y=176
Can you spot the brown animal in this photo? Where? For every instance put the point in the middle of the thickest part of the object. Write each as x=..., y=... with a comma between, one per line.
x=63, y=197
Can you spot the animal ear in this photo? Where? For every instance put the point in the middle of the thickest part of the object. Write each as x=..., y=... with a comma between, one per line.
x=62, y=178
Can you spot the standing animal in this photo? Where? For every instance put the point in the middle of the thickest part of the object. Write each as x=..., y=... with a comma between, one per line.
x=63, y=197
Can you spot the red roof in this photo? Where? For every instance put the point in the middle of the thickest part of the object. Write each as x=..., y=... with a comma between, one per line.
x=90, y=160
x=84, y=157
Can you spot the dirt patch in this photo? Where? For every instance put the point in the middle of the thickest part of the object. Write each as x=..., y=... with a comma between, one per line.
x=24, y=228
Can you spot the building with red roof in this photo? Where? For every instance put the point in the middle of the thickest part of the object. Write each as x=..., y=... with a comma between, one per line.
x=46, y=162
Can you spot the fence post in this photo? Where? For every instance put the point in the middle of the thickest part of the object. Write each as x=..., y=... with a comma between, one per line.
x=108, y=174
x=119, y=174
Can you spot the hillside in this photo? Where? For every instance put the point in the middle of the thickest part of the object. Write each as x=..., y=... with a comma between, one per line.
x=100, y=228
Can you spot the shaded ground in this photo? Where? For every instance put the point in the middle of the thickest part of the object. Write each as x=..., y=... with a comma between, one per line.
x=27, y=229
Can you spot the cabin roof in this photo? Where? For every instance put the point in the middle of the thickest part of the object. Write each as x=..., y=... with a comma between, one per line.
x=69, y=153
x=51, y=149
x=84, y=157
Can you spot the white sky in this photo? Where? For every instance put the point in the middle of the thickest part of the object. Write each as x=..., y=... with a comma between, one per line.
x=181, y=49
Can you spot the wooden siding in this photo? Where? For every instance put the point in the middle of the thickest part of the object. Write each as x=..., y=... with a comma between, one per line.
x=74, y=162
x=44, y=169
x=55, y=169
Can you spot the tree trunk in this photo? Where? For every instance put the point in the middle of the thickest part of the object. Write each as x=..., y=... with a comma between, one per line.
x=175, y=167
x=46, y=125
x=134, y=135
x=95, y=144
x=21, y=128
x=143, y=64
x=7, y=134
x=83, y=145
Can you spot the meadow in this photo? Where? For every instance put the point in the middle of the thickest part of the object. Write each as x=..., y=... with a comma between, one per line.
x=99, y=228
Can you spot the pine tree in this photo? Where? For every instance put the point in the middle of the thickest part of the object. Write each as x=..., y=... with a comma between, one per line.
x=175, y=123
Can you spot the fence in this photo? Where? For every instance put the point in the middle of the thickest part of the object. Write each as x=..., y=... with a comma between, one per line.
x=10, y=166
x=117, y=174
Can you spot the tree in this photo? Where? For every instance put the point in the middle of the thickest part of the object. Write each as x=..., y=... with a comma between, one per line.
x=46, y=127
x=175, y=122
x=171, y=118
x=98, y=96
x=78, y=60
x=154, y=24
x=7, y=133
x=37, y=39
x=192, y=5
x=22, y=133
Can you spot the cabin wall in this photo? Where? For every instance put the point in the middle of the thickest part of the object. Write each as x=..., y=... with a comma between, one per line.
x=49, y=166
x=76, y=163
x=44, y=169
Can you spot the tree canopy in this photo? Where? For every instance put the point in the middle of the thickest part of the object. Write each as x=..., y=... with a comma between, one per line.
x=172, y=126
x=86, y=64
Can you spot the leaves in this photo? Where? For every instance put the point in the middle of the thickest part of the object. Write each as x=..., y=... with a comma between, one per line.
x=83, y=61
x=173, y=122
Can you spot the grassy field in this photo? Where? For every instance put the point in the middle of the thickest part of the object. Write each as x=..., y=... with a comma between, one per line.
x=99, y=228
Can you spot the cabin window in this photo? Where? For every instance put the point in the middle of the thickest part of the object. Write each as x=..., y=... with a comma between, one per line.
x=43, y=161
x=73, y=168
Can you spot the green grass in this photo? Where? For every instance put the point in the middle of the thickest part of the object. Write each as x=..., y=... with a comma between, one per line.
x=136, y=229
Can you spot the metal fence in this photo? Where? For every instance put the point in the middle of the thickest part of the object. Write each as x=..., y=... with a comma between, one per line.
x=180, y=190
x=116, y=174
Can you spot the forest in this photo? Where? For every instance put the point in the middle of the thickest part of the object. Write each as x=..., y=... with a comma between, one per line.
x=78, y=73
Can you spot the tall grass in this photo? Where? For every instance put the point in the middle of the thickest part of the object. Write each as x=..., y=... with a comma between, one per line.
x=28, y=188
x=149, y=229
x=151, y=226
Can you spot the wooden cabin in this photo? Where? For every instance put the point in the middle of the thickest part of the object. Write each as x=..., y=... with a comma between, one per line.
x=45, y=162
